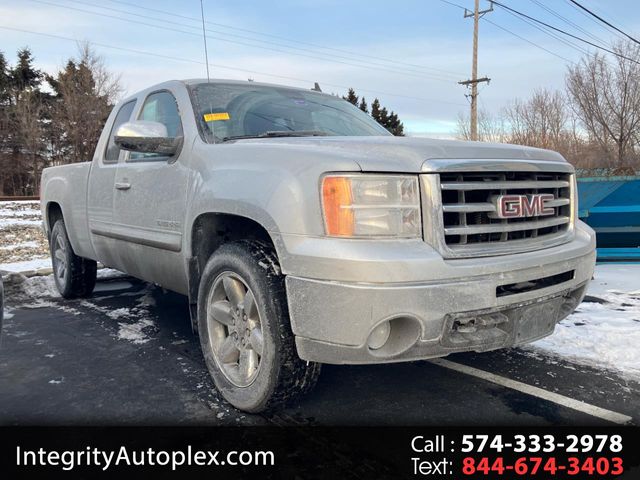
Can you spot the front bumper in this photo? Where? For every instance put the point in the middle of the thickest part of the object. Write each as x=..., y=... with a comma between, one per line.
x=431, y=308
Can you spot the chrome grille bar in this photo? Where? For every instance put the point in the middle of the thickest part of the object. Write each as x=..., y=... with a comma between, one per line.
x=490, y=207
x=503, y=185
x=509, y=227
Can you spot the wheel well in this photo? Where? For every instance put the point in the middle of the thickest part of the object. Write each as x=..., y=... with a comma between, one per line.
x=208, y=233
x=211, y=230
x=54, y=213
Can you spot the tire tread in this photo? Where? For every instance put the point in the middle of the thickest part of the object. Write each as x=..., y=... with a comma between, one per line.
x=83, y=271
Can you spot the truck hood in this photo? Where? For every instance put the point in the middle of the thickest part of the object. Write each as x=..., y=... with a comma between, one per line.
x=404, y=154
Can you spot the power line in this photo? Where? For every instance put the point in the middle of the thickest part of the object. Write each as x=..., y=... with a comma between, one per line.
x=528, y=41
x=591, y=19
x=255, y=32
x=224, y=39
x=604, y=21
x=550, y=33
x=568, y=22
x=453, y=4
x=224, y=67
x=564, y=32
x=271, y=43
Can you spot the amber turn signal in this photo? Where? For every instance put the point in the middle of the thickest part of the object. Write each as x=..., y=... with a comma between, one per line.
x=336, y=200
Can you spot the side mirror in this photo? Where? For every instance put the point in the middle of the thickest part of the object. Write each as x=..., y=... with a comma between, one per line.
x=146, y=137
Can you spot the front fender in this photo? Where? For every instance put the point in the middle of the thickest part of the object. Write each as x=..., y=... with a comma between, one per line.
x=279, y=190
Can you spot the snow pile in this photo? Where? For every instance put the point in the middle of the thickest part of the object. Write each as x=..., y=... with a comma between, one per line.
x=604, y=331
x=23, y=291
x=40, y=287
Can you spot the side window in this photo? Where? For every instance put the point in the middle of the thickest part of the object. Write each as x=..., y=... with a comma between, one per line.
x=113, y=151
x=159, y=107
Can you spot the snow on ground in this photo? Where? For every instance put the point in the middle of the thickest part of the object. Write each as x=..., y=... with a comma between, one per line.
x=618, y=277
x=604, y=331
x=21, y=235
x=134, y=324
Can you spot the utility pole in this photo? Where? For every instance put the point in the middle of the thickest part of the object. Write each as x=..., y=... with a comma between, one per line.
x=474, y=81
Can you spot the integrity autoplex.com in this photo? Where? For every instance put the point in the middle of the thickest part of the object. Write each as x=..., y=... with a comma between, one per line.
x=105, y=459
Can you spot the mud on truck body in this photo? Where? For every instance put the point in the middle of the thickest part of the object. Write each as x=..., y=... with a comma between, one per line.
x=304, y=233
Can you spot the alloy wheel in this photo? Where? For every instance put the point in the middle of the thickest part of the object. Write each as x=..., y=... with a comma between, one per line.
x=235, y=329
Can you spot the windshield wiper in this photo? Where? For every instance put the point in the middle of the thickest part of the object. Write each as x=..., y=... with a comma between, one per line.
x=278, y=133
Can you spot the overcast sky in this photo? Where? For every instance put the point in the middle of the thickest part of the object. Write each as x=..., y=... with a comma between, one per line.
x=408, y=53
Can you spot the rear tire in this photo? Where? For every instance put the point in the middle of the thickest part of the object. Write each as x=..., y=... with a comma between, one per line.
x=245, y=332
x=74, y=276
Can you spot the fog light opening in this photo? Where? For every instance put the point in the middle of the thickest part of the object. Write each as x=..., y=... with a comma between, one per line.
x=379, y=336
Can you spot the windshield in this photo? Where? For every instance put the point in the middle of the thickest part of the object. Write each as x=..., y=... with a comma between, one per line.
x=229, y=112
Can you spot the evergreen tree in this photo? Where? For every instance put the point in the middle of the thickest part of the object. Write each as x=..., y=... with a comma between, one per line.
x=363, y=105
x=375, y=110
x=380, y=114
x=352, y=97
x=5, y=80
x=394, y=125
x=84, y=94
x=24, y=76
x=21, y=125
x=384, y=118
x=38, y=128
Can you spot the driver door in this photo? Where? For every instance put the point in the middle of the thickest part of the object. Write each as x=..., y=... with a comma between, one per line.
x=150, y=203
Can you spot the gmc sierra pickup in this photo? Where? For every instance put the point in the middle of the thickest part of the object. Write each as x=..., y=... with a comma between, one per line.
x=304, y=233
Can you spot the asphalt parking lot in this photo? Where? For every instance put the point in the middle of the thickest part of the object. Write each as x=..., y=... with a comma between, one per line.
x=127, y=356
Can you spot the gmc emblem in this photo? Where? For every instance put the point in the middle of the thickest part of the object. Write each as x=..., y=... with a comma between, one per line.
x=518, y=206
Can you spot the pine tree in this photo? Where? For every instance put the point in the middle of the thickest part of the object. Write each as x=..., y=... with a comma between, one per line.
x=24, y=76
x=352, y=97
x=390, y=121
x=394, y=125
x=384, y=118
x=5, y=80
x=375, y=110
x=363, y=105
x=84, y=93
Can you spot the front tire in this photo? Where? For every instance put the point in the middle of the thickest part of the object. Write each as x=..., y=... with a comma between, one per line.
x=244, y=328
x=74, y=276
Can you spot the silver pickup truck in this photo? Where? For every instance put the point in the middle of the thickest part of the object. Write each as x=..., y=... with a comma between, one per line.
x=304, y=233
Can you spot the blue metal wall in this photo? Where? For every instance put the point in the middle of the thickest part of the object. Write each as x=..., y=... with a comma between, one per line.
x=611, y=206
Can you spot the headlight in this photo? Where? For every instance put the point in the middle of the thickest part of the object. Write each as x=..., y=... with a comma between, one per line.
x=371, y=205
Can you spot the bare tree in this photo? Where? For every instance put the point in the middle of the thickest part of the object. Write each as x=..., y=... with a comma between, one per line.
x=491, y=127
x=541, y=121
x=605, y=94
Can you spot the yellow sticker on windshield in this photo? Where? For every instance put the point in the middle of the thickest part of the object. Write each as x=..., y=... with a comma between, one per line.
x=214, y=117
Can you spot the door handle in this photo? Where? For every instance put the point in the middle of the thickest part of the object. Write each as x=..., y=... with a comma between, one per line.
x=123, y=185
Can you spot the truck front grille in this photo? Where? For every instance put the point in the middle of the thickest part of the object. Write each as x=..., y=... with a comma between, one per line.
x=468, y=216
